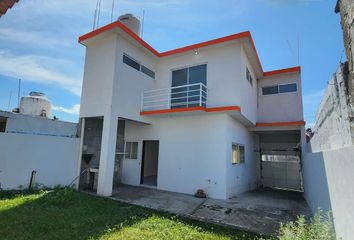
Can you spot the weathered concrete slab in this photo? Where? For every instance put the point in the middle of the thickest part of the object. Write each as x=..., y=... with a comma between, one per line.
x=259, y=211
x=156, y=199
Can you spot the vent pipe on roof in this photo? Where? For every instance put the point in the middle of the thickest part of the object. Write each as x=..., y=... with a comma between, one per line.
x=131, y=22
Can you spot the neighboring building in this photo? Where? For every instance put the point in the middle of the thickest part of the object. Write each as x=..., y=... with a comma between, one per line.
x=204, y=116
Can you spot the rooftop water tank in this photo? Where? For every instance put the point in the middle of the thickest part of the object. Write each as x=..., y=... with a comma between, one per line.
x=36, y=104
x=131, y=22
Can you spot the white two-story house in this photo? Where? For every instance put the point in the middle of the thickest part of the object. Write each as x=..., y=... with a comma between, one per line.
x=204, y=116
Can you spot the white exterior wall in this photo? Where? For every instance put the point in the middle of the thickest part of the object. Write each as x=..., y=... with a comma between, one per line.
x=191, y=155
x=282, y=107
x=99, y=72
x=54, y=159
x=248, y=92
x=26, y=124
x=223, y=72
x=113, y=89
x=240, y=177
x=130, y=83
x=328, y=183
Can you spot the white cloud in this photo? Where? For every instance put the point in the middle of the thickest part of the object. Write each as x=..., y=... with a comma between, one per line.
x=313, y=97
x=30, y=38
x=40, y=69
x=75, y=109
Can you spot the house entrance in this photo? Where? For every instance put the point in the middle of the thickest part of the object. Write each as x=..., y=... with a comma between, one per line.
x=149, y=163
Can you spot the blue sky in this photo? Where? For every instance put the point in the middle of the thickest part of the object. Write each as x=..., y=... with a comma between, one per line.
x=38, y=40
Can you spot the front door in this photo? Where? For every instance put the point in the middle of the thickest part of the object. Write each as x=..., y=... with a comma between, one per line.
x=149, y=164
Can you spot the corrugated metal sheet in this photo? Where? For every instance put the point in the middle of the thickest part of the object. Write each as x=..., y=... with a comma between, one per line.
x=5, y=5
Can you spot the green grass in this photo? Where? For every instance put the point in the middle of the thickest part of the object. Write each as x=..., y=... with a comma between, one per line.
x=68, y=214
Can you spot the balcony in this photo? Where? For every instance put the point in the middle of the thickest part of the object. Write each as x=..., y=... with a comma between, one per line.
x=191, y=96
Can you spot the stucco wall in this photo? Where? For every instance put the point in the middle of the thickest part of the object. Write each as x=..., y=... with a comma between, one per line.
x=129, y=82
x=54, y=159
x=99, y=72
x=282, y=107
x=240, y=177
x=328, y=184
x=27, y=124
x=191, y=155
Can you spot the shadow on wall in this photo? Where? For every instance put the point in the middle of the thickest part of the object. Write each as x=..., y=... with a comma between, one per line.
x=328, y=183
x=316, y=187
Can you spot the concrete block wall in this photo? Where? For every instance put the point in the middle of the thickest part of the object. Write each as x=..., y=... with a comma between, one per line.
x=346, y=9
x=334, y=123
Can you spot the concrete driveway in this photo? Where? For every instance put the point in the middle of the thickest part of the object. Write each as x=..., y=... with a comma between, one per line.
x=259, y=211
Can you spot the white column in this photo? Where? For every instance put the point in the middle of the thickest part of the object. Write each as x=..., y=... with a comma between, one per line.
x=107, y=157
x=79, y=158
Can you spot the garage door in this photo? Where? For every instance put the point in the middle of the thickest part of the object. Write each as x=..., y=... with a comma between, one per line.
x=281, y=169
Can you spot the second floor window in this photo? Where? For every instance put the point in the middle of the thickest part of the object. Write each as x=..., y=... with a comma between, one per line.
x=187, y=88
x=249, y=76
x=282, y=88
x=131, y=62
x=134, y=64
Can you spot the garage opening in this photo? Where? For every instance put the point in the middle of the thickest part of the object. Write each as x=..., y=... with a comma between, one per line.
x=149, y=163
x=280, y=160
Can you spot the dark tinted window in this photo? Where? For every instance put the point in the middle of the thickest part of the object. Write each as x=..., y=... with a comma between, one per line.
x=197, y=74
x=249, y=76
x=147, y=71
x=269, y=90
x=288, y=88
x=127, y=60
x=179, y=95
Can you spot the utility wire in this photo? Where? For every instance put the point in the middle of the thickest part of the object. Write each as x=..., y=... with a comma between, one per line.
x=112, y=10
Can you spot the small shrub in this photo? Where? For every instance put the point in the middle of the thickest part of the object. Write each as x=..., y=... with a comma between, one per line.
x=319, y=228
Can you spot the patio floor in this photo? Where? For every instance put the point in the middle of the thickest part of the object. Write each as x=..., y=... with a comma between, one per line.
x=259, y=211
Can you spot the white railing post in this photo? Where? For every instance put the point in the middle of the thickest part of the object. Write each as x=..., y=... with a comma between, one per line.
x=169, y=92
x=156, y=99
x=200, y=95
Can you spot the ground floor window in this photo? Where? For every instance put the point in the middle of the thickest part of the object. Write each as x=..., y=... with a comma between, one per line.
x=238, y=153
x=131, y=150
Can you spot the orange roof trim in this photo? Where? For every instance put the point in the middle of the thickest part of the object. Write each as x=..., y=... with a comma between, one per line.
x=282, y=71
x=277, y=124
x=245, y=34
x=191, y=109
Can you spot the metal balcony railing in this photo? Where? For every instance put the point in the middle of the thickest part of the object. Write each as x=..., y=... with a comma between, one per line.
x=191, y=95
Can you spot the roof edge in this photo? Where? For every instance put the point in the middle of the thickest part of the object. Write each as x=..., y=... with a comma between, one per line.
x=282, y=71
x=245, y=34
